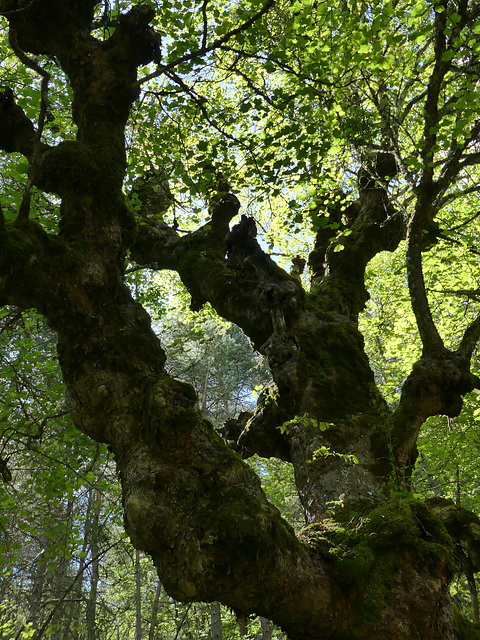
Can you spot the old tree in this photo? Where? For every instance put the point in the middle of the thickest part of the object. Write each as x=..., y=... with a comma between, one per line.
x=369, y=113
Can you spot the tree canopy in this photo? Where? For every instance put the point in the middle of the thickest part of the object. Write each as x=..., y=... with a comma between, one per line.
x=310, y=172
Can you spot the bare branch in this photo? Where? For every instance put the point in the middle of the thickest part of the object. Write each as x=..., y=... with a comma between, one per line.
x=474, y=294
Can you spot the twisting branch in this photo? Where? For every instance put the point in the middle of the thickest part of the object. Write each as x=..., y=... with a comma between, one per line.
x=216, y=44
x=32, y=64
x=433, y=92
x=470, y=339
x=427, y=190
x=429, y=335
x=390, y=132
x=24, y=210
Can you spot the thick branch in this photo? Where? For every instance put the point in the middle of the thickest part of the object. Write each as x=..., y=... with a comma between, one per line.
x=436, y=386
x=374, y=226
x=470, y=338
x=45, y=26
x=429, y=335
x=246, y=286
x=17, y=133
x=433, y=92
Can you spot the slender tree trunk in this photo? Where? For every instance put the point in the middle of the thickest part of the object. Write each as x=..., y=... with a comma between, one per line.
x=242, y=624
x=204, y=394
x=92, y=530
x=472, y=584
x=62, y=620
x=266, y=629
x=39, y=579
x=216, y=621
x=459, y=488
x=138, y=597
x=465, y=560
x=155, y=609
x=81, y=564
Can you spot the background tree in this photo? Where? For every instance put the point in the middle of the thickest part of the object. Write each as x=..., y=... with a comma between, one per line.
x=59, y=516
x=365, y=115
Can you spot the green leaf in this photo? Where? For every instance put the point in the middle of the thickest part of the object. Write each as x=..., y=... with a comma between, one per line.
x=448, y=55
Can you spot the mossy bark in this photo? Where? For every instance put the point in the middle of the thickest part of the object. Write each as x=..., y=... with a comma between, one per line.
x=189, y=501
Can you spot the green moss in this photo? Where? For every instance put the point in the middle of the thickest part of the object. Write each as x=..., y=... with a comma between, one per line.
x=237, y=526
x=464, y=628
x=25, y=237
x=338, y=343
x=339, y=296
x=368, y=551
x=70, y=164
x=172, y=408
x=27, y=243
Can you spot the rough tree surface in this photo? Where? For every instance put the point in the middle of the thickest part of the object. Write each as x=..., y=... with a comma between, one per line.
x=382, y=568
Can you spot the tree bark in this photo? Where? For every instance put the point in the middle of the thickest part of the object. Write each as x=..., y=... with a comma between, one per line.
x=382, y=568
x=216, y=621
x=38, y=580
x=138, y=597
x=155, y=609
x=266, y=630
x=91, y=538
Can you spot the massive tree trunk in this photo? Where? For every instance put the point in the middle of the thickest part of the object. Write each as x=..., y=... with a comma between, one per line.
x=367, y=566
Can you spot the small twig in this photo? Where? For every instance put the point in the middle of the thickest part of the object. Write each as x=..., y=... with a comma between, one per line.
x=469, y=293
x=197, y=53
x=182, y=622
x=33, y=64
x=205, y=24
x=60, y=601
x=464, y=224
